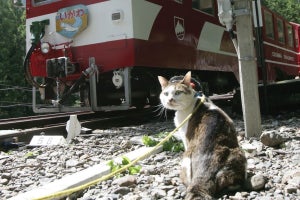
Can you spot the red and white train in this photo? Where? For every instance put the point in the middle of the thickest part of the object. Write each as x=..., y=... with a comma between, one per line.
x=106, y=54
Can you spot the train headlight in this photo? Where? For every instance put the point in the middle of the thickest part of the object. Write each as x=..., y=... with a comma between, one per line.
x=45, y=47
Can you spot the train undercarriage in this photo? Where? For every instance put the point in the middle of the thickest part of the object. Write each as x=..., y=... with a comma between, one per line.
x=119, y=90
x=138, y=87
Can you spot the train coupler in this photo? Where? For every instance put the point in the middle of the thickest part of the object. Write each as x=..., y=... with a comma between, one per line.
x=92, y=69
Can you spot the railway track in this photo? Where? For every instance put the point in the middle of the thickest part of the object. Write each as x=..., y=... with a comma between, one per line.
x=37, y=120
x=55, y=124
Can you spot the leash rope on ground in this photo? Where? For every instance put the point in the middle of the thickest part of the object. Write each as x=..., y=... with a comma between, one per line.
x=110, y=175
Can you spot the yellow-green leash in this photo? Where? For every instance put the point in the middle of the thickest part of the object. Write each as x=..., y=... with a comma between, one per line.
x=108, y=176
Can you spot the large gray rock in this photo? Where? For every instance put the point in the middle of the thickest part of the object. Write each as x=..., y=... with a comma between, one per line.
x=256, y=182
x=272, y=138
x=125, y=181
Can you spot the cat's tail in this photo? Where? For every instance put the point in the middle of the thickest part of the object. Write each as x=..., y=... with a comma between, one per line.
x=195, y=193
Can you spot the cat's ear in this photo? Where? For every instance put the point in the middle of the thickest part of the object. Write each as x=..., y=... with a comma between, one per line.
x=187, y=78
x=163, y=82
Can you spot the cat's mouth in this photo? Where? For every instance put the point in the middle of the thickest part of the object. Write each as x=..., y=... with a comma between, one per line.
x=172, y=105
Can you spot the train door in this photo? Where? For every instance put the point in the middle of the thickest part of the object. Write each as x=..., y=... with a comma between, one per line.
x=297, y=44
x=297, y=37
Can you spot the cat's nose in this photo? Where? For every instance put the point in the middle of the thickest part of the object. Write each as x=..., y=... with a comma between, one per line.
x=171, y=100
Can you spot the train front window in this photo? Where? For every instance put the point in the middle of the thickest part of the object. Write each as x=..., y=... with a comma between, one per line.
x=269, y=26
x=42, y=2
x=280, y=31
x=290, y=35
x=178, y=1
x=203, y=5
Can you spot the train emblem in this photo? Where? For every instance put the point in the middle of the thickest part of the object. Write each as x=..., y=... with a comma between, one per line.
x=179, y=27
x=72, y=20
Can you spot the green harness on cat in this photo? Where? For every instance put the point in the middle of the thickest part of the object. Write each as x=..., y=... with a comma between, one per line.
x=68, y=192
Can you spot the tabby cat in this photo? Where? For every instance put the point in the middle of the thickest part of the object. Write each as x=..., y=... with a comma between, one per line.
x=213, y=162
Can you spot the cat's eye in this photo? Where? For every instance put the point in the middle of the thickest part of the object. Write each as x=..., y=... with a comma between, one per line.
x=178, y=92
x=166, y=93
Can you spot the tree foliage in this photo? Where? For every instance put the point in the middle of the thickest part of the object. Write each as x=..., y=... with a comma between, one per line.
x=14, y=91
x=289, y=9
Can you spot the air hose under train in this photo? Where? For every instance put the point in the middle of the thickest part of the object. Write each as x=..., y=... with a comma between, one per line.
x=37, y=29
x=28, y=75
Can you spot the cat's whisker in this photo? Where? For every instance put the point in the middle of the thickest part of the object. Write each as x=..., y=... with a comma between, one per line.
x=157, y=108
x=162, y=112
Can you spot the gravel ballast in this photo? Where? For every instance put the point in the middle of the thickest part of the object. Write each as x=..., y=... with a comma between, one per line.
x=273, y=163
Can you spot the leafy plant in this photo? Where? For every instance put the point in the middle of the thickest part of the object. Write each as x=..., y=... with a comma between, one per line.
x=148, y=141
x=289, y=9
x=31, y=154
x=172, y=144
x=125, y=161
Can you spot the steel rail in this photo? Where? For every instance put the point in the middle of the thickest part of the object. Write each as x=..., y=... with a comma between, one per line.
x=25, y=128
x=88, y=120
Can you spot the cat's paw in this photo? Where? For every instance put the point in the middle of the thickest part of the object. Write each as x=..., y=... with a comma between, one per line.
x=198, y=196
